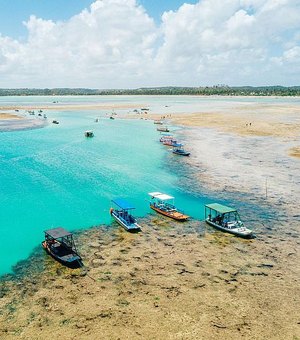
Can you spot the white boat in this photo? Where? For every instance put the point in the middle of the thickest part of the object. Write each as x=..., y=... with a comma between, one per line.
x=226, y=219
x=163, y=129
x=123, y=216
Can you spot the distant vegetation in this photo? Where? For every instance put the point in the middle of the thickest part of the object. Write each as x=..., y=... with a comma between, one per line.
x=222, y=90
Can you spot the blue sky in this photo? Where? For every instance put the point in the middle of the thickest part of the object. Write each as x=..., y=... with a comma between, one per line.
x=115, y=44
x=14, y=12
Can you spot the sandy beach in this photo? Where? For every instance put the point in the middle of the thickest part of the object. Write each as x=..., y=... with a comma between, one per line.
x=184, y=280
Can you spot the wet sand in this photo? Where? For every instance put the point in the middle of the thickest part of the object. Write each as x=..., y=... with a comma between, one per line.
x=13, y=122
x=183, y=280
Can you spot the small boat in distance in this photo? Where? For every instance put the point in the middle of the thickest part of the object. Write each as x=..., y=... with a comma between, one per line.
x=59, y=243
x=163, y=129
x=179, y=150
x=165, y=136
x=122, y=215
x=160, y=203
x=158, y=122
x=55, y=121
x=89, y=134
x=226, y=219
x=169, y=141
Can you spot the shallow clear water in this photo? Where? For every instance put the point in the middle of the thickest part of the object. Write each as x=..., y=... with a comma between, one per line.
x=56, y=177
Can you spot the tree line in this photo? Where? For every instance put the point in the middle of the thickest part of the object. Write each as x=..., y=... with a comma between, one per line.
x=222, y=90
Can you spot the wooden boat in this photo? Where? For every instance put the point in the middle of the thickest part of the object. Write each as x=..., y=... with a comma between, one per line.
x=160, y=203
x=123, y=216
x=169, y=142
x=89, y=134
x=163, y=129
x=59, y=243
x=226, y=219
x=179, y=150
x=165, y=136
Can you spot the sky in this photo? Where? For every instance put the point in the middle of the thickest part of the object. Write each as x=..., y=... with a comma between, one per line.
x=145, y=43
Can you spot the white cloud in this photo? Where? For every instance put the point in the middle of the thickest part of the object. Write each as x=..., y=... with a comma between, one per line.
x=115, y=44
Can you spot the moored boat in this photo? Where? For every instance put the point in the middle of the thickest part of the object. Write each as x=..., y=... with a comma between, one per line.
x=59, y=243
x=170, y=142
x=165, y=136
x=179, y=150
x=163, y=129
x=158, y=122
x=160, y=203
x=123, y=216
x=89, y=134
x=226, y=219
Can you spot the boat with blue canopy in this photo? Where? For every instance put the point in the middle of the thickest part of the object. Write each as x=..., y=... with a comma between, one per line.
x=226, y=219
x=179, y=150
x=123, y=216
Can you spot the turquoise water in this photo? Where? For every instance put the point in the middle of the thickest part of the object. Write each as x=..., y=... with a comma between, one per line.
x=56, y=177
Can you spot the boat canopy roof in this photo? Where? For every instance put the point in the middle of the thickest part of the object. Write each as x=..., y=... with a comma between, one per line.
x=160, y=196
x=57, y=233
x=123, y=204
x=222, y=209
x=177, y=145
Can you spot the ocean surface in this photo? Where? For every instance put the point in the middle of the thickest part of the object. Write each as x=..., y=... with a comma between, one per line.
x=54, y=176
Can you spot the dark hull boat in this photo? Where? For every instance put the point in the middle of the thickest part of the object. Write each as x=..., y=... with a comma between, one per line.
x=179, y=150
x=60, y=245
